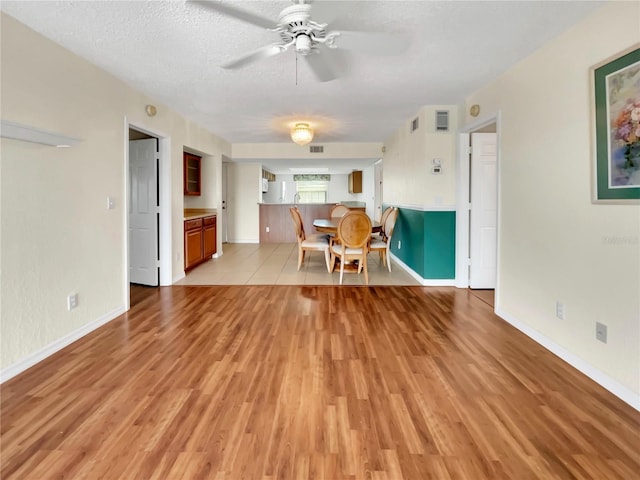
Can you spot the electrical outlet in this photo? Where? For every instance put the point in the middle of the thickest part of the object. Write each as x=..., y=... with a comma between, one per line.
x=72, y=301
x=601, y=332
x=561, y=311
x=111, y=203
x=399, y=244
x=267, y=229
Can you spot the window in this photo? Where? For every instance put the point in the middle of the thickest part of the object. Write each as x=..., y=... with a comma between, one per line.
x=312, y=191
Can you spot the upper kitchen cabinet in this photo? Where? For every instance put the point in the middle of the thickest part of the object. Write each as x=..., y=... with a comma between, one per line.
x=192, y=174
x=355, y=181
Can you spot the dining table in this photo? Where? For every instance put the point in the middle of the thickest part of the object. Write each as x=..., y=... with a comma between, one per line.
x=330, y=225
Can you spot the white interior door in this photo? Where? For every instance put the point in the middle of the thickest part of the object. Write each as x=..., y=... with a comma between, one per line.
x=143, y=212
x=484, y=204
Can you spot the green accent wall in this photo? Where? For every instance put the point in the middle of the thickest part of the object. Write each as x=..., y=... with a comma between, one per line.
x=428, y=242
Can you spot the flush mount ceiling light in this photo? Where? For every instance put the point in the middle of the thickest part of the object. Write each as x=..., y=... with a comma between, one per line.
x=301, y=133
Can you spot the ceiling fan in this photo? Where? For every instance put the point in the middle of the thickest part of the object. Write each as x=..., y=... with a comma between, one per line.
x=308, y=38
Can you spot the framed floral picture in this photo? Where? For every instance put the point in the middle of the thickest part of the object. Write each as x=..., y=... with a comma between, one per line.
x=616, y=97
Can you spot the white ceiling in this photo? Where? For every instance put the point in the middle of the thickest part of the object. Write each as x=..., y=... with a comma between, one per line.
x=172, y=51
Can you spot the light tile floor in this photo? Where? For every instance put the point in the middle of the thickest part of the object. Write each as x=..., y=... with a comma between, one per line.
x=276, y=264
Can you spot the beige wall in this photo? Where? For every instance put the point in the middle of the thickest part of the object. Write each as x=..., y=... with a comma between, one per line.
x=244, y=192
x=408, y=159
x=554, y=243
x=57, y=235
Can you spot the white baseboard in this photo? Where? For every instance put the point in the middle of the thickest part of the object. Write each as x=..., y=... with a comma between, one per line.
x=623, y=393
x=244, y=240
x=39, y=355
x=425, y=282
x=179, y=277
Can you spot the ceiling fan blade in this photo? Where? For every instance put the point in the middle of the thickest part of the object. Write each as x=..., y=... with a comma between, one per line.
x=375, y=43
x=328, y=11
x=321, y=67
x=264, y=52
x=238, y=13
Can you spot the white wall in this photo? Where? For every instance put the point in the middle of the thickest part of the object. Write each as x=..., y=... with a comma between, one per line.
x=244, y=193
x=553, y=240
x=408, y=160
x=57, y=235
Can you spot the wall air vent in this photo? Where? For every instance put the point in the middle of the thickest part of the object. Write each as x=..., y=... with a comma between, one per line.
x=316, y=149
x=442, y=121
x=414, y=124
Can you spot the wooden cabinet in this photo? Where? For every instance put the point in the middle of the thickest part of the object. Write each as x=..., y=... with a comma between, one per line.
x=355, y=181
x=193, y=253
x=270, y=177
x=199, y=240
x=209, y=236
x=192, y=166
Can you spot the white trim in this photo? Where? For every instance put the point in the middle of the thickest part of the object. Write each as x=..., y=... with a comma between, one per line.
x=165, y=227
x=243, y=240
x=425, y=282
x=462, y=212
x=57, y=345
x=623, y=393
x=423, y=208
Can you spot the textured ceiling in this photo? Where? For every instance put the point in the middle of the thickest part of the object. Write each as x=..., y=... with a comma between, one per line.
x=172, y=51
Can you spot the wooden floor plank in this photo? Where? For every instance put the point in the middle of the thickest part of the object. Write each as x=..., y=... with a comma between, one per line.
x=310, y=382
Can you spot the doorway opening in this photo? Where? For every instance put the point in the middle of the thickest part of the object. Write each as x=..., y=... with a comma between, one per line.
x=477, y=216
x=147, y=242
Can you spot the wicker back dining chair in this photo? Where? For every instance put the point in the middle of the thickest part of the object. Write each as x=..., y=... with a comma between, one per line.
x=382, y=244
x=352, y=242
x=316, y=243
x=338, y=211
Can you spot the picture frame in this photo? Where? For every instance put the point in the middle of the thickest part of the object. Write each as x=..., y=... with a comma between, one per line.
x=616, y=128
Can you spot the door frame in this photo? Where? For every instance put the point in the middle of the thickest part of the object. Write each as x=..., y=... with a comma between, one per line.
x=463, y=200
x=224, y=193
x=164, y=217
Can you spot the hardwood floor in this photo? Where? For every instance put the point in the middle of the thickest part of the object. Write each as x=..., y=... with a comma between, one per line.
x=486, y=295
x=279, y=382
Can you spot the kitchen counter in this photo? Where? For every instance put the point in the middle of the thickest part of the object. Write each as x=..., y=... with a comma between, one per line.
x=191, y=213
x=351, y=204
x=276, y=225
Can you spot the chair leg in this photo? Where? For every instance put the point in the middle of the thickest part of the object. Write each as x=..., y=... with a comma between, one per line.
x=386, y=254
x=300, y=257
x=366, y=270
x=327, y=259
x=381, y=253
x=341, y=269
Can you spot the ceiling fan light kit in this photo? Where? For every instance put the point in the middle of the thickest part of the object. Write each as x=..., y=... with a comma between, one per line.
x=301, y=133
